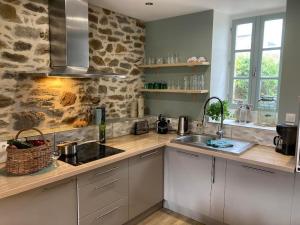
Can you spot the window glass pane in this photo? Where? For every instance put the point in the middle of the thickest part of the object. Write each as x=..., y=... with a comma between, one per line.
x=243, y=36
x=242, y=64
x=240, y=91
x=273, y=33
x=270, y=63
x=268, y=88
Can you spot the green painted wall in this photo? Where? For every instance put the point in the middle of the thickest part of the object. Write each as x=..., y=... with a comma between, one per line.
x=290, y=84
x=188, y=35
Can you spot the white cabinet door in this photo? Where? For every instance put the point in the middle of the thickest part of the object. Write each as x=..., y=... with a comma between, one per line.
x=52, y=204
x=187, y=183
x=255, y=195
x=296, y=202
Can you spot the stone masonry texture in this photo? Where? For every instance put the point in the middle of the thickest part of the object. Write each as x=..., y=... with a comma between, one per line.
x=116, y=45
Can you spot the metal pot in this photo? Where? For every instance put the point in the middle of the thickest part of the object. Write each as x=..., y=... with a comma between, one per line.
x=67, y=148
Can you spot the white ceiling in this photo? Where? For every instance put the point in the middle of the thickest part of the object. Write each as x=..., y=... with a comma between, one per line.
x=170, y=8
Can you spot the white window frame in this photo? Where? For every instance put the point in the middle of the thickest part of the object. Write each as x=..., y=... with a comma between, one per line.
x=256, y=56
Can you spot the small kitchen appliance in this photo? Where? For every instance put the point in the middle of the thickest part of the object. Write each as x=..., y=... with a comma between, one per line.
x=162, y=125
x=140, y=127
x=183, y=125
x=286, y=141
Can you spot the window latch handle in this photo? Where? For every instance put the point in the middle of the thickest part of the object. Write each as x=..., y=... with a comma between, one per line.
x=254, y=72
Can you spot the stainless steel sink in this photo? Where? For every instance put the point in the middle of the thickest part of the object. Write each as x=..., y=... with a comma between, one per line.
x=200, y=141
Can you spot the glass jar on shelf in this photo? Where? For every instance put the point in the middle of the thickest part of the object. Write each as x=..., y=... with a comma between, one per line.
x=267, y=111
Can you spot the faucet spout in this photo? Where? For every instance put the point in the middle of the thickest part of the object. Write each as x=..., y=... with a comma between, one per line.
x=220, y=131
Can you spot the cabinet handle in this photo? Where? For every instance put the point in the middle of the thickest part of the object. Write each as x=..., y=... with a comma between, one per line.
x=213, y=170
x=109, y=212
x=149, y=154
x=107, y=171
x=105, y=185
x=57, y=185
x=189, y=154
x=258, y=170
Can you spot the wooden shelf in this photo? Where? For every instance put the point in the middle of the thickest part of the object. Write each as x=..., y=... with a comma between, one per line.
x=174, y=91
x=174, y=65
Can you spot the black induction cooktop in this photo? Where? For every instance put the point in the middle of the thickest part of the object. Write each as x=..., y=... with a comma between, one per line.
x=89, y=152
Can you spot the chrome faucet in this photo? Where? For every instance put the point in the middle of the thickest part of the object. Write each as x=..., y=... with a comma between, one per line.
x=220, y=131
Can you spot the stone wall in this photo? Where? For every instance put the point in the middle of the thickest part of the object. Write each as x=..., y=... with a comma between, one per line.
x=116, y=44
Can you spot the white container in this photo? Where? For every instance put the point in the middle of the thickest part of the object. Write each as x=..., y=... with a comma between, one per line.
x=141, y=107
x=133, y=109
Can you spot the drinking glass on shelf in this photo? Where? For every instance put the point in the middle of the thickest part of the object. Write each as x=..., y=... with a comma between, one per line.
x=202, y=81
x=151, y=60
x=171, y=58
x=174, y=86
x=159, y=60
x=178, y=86
x=169, y=83
x=198, y=82
x=165, y=85
x=165, y=60
x=176, y=58
x=193, y=82
x=190, y=82
x=55, y=156
x=186, y=83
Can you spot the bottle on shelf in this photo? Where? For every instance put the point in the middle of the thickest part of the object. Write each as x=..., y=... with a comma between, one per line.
x=133, y=109
x=141, y=106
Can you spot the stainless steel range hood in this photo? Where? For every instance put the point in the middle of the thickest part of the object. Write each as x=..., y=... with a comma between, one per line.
x=69, y=40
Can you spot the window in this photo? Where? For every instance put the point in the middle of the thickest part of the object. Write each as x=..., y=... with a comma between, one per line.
x=256, y=59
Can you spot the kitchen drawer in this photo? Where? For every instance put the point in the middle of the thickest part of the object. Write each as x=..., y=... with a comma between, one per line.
x=100, y=194
x=114, y=214
x=102, y=174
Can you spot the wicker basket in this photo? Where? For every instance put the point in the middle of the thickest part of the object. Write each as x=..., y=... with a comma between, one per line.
x=30, y=160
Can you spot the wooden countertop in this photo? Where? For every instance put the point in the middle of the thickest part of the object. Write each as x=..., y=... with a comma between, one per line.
x=135, y=145
x=258, y=155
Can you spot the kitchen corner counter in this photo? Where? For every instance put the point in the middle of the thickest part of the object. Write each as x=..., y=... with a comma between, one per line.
x=135, y=145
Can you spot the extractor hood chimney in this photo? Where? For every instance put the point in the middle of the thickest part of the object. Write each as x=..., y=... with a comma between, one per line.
x=69, y=40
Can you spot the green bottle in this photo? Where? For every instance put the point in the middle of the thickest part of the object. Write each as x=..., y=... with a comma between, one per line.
x=102, y=127
x=102, y=124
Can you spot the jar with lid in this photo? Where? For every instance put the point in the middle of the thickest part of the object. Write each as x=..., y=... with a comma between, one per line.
x=267, y=113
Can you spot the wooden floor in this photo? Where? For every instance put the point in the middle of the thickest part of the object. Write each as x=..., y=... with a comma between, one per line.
x=167, y=217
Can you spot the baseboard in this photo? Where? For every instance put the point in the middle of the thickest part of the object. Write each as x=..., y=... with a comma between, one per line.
x=191, y=214
x=145, y=214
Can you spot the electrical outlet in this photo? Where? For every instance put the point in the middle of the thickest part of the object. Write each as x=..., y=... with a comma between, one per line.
x=290, y=117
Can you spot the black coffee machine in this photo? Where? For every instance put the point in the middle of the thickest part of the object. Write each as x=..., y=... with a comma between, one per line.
x=162, y=125
x=286, y=141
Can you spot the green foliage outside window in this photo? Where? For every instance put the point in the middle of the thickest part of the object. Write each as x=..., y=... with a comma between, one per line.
x=269, y=69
